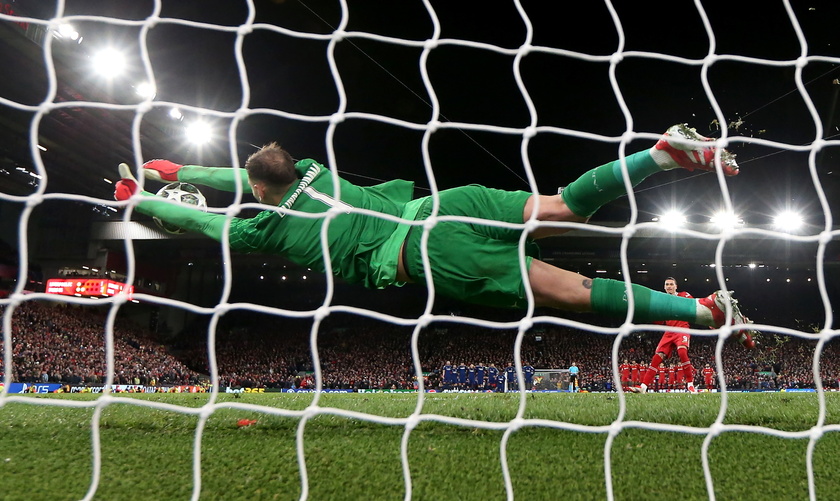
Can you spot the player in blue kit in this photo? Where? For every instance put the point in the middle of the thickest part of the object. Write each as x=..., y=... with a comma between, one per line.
x=462, y=376
x=447, y=375
x=480, y=375
x=492, y=377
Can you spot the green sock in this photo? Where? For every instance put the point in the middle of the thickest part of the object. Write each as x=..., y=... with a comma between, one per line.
x=604, y=184
x=610, y=297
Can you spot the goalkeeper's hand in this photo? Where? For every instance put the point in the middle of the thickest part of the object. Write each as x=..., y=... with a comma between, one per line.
x=126, y=186
x=161, y=170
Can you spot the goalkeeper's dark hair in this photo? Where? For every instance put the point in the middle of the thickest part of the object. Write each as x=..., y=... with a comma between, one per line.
x=271, y=164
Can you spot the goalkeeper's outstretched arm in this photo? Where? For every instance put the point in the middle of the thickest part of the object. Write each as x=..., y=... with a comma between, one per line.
x=220, y=178
x=183, y=216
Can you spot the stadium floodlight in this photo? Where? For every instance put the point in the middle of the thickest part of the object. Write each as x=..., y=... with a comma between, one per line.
x=672, y=220
x=146, y=90
x=175, y=114
x=199, y=133
x=788, y=221
x=109, y=63
x=725, y=220
x=66, y=30
x=752, y=266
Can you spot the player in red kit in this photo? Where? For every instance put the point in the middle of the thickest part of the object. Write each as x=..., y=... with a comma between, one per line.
x=634, y=372
x=624, y=370
x=669, y=342
x=663, y=377
x=708, y=377
x=672, y=377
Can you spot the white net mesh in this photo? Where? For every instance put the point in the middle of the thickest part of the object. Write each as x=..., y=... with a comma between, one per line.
x=424, y=89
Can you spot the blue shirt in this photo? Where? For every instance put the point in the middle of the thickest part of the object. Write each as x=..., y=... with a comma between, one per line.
x=447, y=373
x=529, y=372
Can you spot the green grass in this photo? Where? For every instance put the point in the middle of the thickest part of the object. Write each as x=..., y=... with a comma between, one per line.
x=46, y=451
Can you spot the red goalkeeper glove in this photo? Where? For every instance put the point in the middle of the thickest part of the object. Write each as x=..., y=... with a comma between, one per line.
x=161, y=170
x=126, y=186
x=124, y=189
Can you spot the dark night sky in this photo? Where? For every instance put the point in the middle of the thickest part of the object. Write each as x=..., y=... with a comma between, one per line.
x=196, y=67
x=570, y=89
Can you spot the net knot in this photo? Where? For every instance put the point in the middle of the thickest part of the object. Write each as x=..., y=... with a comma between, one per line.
x=425, y=320
x=144, y=106
x=529, y=132
x=625, y=330
x=322, y=313
x=411, y=422
x=34, y=199
x=206, y=411
x=516, y=424
x=311, y=411
x=532, y=225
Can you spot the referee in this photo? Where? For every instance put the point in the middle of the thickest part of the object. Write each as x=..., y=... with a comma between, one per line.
x=573, y=377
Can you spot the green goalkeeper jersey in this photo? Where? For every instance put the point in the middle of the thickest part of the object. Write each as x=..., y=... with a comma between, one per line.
x=363, y=248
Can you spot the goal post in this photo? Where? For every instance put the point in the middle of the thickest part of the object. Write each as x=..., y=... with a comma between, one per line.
x=551, y=379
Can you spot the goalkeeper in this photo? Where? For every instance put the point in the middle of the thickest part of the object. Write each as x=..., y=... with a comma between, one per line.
x=469, y=261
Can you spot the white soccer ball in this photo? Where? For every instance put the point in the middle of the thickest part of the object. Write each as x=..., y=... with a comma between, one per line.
x=184, y=193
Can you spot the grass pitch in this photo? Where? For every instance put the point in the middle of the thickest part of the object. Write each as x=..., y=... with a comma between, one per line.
x=46, y=452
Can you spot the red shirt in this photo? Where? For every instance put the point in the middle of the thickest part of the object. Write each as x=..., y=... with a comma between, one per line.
x=672, y=375
x=708, y=375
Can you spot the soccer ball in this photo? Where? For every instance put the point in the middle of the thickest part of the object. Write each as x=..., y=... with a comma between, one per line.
x=184, y=193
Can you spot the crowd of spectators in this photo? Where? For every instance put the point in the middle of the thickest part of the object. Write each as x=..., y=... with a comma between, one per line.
x=55, y=342
x=61, y=343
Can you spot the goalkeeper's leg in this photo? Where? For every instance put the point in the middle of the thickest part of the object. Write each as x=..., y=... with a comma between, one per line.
x=679, y=147
x=566, y=290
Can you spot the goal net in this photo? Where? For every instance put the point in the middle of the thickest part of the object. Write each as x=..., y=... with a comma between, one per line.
x=518, y=95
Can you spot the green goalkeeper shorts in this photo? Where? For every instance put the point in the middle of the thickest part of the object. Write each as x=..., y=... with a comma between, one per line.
x=474, y=262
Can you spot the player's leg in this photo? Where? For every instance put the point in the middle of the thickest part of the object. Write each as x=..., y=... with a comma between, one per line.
x=688, y=369
x=491, y=275
x=566, y=290
x=679, y=147
x=663, y=351
x=653, y=368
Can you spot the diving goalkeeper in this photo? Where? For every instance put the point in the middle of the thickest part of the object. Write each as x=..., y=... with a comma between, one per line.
x=471, y=262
